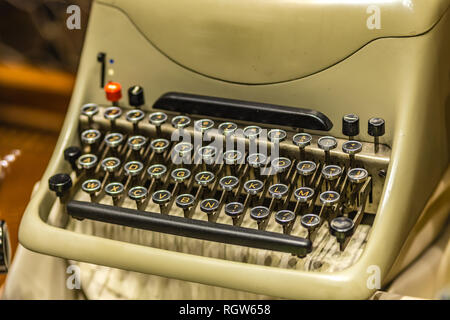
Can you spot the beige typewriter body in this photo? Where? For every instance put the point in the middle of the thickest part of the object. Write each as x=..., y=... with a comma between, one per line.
x=309, y=54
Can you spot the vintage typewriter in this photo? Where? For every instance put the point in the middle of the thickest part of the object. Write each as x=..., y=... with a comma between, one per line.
x=226, y=147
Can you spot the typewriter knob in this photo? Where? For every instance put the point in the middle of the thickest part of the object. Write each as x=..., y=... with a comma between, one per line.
x=60, y=183
x=136, y=96
x=341, y=227
x=350, y=125
x=5, y=247
x=376, y=129
x=113, y=92
x=71, y=154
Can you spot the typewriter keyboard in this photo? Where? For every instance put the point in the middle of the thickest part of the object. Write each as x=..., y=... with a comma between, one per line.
x=223, y=187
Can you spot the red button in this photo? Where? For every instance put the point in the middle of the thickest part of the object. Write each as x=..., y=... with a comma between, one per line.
x=113, y=91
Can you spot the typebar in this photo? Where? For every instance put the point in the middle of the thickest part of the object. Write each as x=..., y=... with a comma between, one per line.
x=190, y=227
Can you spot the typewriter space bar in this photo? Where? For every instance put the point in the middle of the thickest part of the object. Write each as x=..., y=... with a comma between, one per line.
x=190, y=227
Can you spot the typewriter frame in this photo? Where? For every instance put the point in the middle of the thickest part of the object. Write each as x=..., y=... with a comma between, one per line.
x=413, y=116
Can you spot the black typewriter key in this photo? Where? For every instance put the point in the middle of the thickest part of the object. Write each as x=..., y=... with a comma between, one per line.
x=156, y=171
x=235, y=211
x=341, y=228
x=357, y=175
x=159, y=146
x=186, y=202
x=203, y=125
x=376, y=129
x=71, y=155
x=111, y=165
x=329, y=198
x=285, y=218
x=252, y=132
x=331, y=173
x=260, y=214
x=88, y=162
x=280, y=166
x=252, y=188
x=207, y=155
x=227, y=129
x=114, y=190
x=302, y=140
x=162, y=198
x=310, y=222
x=180, y=122
x=231, y=159
x=350, y=125
x=228, y=183
x=306, y=169
x=138, y=194
x=327, y=144
x=60, y=183
x=256, y=161
x=182, y=151
x=180, y=175
x=351, y=148
x=112, y=114
x=91, y=187
x=113, y=141
x=133, y=168
x=89, y=110
x=136, y=96
x=209, y=206
x=278, y=191
x=135, y=116
x=157, y=119
x=303, y=194
x=91, y=138
x=277, y=135
x=204, y=178
x=136, y=145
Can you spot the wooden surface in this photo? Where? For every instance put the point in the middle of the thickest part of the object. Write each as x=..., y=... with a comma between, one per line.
x=33, y=103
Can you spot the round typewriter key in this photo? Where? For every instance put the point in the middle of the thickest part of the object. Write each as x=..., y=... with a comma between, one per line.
x=232, y=157
x=259, y=213
x=228, y=183
x=89, y=110
x=253, y=187
x=91, y=186
x=357, y=175
x=209, y=206
x=183, y=148
x=278, y=190
x=161, y=197
x=157, y=118
x=252, y=132
x=329, y=198
x=302, y=140
x=281, y=164
x=341, y=225
x=136, y=143
x=284, y=217
x=331, y=172
x=350, y=125
x=204, y=178
x=156, y=171
x=114, y=189
x=277, y=135
x=207, y=154
x=133, y=168
x=112, y=113
x=327, y=143
x=203, y=125
x=180, y=174
x=303, y=194
x=234, y=209
x=159, y=145
x=310, y=221
x=111, y=164
x=185, y=201
x=306, y=168
x=138, y=194
x=90, y=136
x=87, y=161
x=180, y=122
x=135, y=116
x=60, y=183
x=227, y=128
x=256, y=160
x=113, y=139
x=352, y=147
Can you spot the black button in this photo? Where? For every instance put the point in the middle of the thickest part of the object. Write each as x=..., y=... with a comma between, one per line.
x=60, y=183
x=161, y=196
x=185, y=201
x=376, y=127
x=71, y=154
x=259, y=213
x=234, y=209
x=278, y=190
x=209, y=205
x=228, y=183
x=350, y=125
x=136, y=96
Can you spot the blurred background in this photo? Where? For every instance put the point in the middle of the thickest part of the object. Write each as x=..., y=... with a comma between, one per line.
x=38, y=61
